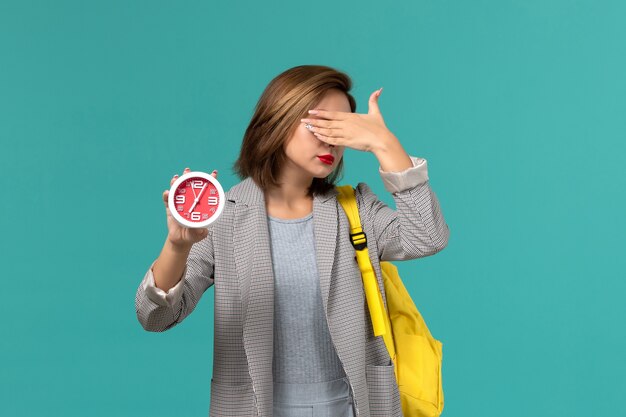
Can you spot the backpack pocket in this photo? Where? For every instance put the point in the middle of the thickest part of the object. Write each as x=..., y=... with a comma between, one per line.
x=419, y=373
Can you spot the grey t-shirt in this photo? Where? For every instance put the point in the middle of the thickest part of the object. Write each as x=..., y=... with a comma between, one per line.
x=303, y=350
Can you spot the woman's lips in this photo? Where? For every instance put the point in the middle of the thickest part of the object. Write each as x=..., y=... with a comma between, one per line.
x=327, y=159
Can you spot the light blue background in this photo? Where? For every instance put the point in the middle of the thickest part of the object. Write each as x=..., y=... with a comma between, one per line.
x=519, y=107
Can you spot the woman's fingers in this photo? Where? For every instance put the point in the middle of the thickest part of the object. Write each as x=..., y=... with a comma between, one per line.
x=167, y=192
x=200, y=233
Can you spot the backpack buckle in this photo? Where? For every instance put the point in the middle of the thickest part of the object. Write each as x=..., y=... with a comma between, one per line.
x=359, y=240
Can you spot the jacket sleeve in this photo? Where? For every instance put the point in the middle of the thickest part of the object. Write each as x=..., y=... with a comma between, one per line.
x=417, y=227
x=157, y=310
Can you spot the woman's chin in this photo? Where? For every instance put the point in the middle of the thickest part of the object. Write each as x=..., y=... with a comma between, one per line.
x=324, y=171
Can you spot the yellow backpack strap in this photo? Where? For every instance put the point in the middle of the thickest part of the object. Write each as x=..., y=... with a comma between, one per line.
x=374, y=299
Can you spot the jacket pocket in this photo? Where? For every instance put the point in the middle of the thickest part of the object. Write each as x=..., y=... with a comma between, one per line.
x=384, y=397
x=232, y=400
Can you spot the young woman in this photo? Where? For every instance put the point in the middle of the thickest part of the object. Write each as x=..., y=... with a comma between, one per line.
x=292, y=332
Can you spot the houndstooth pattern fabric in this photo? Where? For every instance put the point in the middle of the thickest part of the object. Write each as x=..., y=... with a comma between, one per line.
x=235, y=259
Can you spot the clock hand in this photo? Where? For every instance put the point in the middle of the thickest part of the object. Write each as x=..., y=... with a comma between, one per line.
x=201, y=191
x=197, y=198
x=193, y=191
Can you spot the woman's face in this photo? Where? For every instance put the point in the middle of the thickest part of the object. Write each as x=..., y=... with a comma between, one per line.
x=304, y=149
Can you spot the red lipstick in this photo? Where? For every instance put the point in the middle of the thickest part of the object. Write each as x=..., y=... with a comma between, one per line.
x=328, y=159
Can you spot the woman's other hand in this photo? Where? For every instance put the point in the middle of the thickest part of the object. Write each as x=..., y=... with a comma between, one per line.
x=363, y=132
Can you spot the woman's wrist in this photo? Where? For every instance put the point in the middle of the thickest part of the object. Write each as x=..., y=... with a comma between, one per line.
x=178, y=248
x=391, y=155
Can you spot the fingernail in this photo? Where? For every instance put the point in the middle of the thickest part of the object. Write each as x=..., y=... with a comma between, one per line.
x=313, y=111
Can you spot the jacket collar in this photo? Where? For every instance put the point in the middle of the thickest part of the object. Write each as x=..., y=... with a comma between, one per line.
x=247, y=192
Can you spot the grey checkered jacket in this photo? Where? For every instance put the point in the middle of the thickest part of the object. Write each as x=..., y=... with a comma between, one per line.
x=235, y=259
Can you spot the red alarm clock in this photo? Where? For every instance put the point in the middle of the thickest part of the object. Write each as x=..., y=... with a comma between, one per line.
x=196, y=199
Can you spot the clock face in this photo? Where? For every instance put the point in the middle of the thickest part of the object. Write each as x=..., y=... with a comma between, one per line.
x=196, y=199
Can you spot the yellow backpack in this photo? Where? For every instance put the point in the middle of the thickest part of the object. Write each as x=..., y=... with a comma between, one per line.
x=416, y=355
